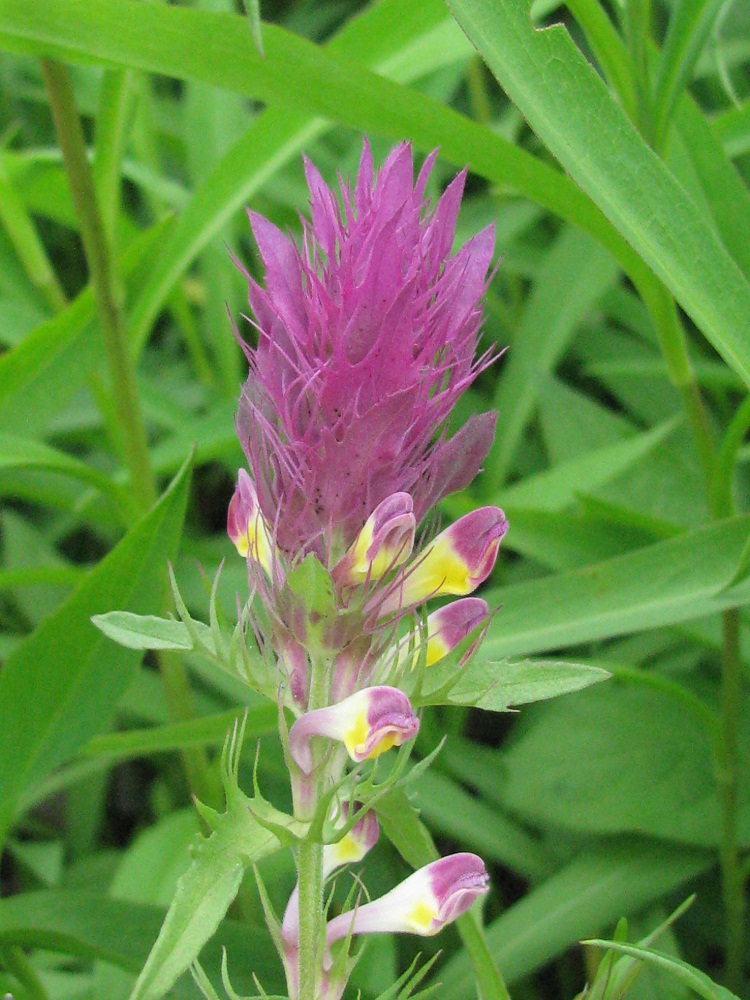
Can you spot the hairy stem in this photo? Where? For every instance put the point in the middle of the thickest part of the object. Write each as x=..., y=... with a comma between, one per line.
x=70, y=136
x=731, y=872
x=310, y=863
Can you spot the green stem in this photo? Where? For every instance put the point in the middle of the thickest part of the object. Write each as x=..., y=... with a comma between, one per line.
x=16, y=962
x=310, y=864
x=489, y=981
x=727, y=770
x=727, y=750
x=115, y=103
x=130, y=420
x=70, y=136
x=663, y=312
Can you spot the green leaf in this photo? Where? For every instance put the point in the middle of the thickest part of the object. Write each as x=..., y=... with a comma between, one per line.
x=576, y=273
x=495, y=686
x=180, y=42
x=569, y=107
x=556, y=488
x=622, y=758
x=204, y=894
x=595, y=889
x=60, y=686
x=662, y=584
x=48, y=366
x=150, y=632
x=689, y=27
x=209, y=730
x=91, y=925
x=687, y=974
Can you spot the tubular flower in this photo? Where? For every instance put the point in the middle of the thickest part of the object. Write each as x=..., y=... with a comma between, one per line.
x=368, y=723
x=366, y=339
x=456, y=562
x=246, y=526
x=449, y=625
x=422, y=904
x=385, y=541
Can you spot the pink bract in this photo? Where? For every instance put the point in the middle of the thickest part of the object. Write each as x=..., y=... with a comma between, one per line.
x=366, y=339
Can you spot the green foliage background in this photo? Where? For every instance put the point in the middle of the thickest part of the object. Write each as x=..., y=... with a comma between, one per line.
x=613, y=152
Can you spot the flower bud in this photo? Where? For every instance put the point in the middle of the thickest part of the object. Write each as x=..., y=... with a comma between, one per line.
x=456, y=562
x=422, y=904
x=246, y=526
x=368, y=723
x=384, y=542
x=449, y=625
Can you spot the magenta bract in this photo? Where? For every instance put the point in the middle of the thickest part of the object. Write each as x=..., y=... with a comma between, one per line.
x=366, y=339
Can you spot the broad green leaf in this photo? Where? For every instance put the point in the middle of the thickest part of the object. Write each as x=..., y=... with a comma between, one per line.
x=725, y=192
x=573, y=423
x=576, y=273
x=622, y=758
x=569, y=107
x=60, y=686
x=453, y=812
x=595, y=889
x=698, y=981
x=496, y=686
x=149, y=631
x=662, y=584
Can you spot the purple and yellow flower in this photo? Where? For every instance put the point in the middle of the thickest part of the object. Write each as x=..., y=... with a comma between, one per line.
x=385, y=541
x=449, y=626
x=247, y=527
x=454, y=563
x=368, y=723
x=423, y=904
x=366, y=339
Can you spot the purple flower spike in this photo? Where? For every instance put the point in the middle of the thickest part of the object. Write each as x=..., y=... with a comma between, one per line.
x=456, y=562
x=366, y=339
x=386, y=540
x=422, y=904
x=368, y=723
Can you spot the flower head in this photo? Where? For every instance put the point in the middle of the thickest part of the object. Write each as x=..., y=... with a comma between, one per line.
x=423, y=904
x=366, y=338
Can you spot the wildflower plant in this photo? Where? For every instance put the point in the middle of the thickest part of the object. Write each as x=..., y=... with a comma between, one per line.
x=367, y=335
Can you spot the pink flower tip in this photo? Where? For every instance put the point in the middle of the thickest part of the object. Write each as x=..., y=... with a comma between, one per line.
x=368, y=723
x=449, y=626
x=423, y=904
